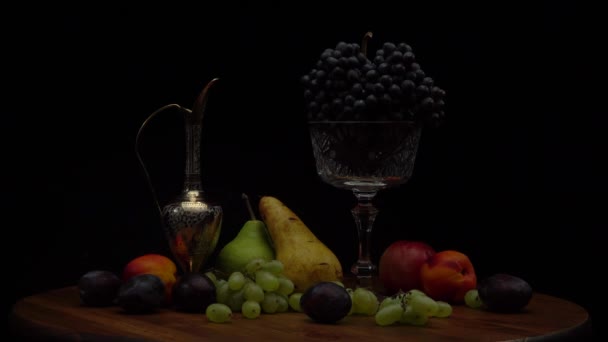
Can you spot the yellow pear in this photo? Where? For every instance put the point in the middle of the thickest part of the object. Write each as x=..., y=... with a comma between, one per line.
x=306, y=259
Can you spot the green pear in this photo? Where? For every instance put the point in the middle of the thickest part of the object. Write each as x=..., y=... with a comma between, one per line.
x=250, y=243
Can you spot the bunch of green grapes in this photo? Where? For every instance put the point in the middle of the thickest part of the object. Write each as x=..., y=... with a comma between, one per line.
x=260, y=288
x=413, y=307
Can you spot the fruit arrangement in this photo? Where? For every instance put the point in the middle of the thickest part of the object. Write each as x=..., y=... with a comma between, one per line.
x=346, y=84
x=277, y=264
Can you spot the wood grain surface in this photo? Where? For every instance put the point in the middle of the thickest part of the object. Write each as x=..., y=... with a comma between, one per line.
x=58, y=316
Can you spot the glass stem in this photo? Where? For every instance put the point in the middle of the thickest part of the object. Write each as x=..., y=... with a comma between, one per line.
x=364, y=214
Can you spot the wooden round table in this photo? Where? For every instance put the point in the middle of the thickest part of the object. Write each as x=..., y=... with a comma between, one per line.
x=58, y=315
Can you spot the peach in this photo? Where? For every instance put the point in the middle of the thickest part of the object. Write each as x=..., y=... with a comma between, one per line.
x=447, y=276
x=156, y=264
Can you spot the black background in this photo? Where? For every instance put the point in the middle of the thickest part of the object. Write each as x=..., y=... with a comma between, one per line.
x=514, y=179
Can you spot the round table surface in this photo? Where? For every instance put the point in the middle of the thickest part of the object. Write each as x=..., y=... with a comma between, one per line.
x=58, y=315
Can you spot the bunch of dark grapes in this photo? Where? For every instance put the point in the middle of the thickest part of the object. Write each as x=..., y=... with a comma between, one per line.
x=346, y=85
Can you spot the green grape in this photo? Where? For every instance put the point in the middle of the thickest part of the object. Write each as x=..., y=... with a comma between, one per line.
x=472, y=300
x=236, y=300
x=222, y=293
x=352, y=301
x=294, y=301
x=443, y=309
x=365, y=301
x=411, y=294
x=285, y=286
x=424, y=304
x=236, y=280
x=251, y=309
x=273, y=266
x=254, y=266
x=212, y=276
x=270, y=304
x=283, y=303
x=410, y=316
x=389, y=301
x=266, y=280
x=254, y=292
x=389, y=314
x=218, y=313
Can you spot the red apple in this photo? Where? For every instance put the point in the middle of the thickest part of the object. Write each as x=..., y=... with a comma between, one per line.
x=399, y=267
x=447, y=276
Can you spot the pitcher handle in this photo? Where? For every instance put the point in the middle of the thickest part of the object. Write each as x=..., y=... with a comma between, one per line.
x=141, y=161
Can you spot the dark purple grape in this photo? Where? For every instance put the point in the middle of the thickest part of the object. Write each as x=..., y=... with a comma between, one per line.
x=407, y=86
x=326, y=54
x=326, y=302
x=193, y=292
x=396, y=57
x=371, y=101
x=337, y=73
x=359, y=106
x=348, y=50
x=504, y=292
x=332, y=62
x=386, y=80
x=361, y=58
x=420, y=74
x=141, y=294
x=422, y=91
x=384, y=68
x=352, y=62
x=371, y=76
x=395, y=91
x=356, y=89
x=388, y=47
x=98, y=288
x=408, y=57
x=403, y=47
x=437, y=92
x=398, y=69
x=349, y=100
x=353, y=75
x=378, y=89
x=305, y=80
x=427, y=81
x=427, y=104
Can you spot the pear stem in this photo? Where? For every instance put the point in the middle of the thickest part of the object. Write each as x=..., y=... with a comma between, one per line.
x=366, y=38
x=248, y=204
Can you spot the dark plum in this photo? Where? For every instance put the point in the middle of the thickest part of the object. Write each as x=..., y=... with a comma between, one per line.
x=326, y=302
x=504, y=292
x=193, y=292
x=141, y=294
x=98, y=288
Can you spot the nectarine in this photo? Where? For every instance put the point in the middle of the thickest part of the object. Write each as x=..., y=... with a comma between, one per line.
x=155, y=264
x=447, y=276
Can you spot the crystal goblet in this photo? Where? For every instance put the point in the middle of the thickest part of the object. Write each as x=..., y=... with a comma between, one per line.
x=364, y=157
